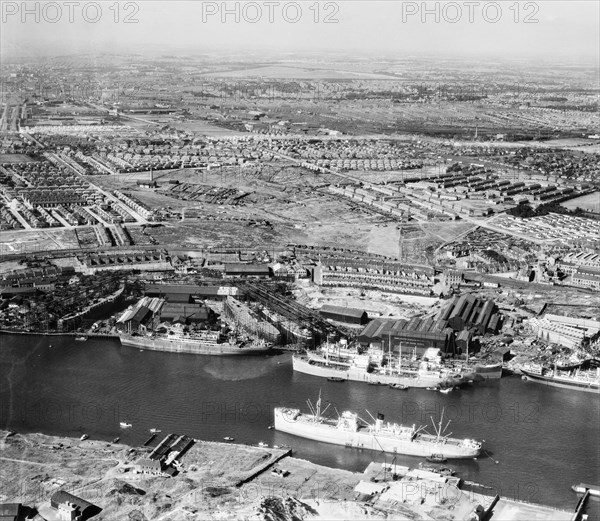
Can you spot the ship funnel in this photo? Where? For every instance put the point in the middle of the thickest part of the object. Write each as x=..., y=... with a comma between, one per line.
x=379, y=422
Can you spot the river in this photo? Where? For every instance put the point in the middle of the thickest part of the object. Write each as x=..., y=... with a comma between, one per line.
x=540, y=440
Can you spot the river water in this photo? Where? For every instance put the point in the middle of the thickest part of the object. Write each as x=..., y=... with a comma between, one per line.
x=539, y=440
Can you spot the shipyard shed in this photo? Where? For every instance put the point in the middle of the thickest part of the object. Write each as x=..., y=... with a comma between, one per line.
x=344, y=314
x=185, y=313
x=138, y=319
x=190, y=292
x=406, y=334
x=465, y=342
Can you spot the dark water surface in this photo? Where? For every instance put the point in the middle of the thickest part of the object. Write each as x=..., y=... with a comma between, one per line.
x=545, y=439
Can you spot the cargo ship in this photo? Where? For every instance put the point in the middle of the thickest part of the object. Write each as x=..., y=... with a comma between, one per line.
x=201, y=343
x=588, y=381
x=345, y=364
x=351, y=431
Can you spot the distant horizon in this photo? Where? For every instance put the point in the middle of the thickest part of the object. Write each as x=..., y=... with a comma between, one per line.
x=547, y=30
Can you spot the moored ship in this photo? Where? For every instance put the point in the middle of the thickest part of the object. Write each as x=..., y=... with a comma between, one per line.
x=344, y=364
x=588, y=381
x=199, y=343
x=350, y=431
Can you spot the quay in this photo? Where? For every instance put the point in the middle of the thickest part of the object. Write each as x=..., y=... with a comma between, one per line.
x=149, y=440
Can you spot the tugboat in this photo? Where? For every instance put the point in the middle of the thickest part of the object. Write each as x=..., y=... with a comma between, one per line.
x=436, y=458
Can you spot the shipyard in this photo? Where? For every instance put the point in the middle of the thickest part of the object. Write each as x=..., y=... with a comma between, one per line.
x=315, y=266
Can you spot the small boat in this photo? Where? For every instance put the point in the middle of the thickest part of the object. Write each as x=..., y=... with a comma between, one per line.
x=10, y=433
x=81, y=338
x=116, y=440
x=443, y=471
x=271, y=427
x=446, y=390
x=432, y=388
x=125, y=425
x=228, y=438
x=374, y=382
x=436, y=458
x=582, y=488
x=336, y=379
x=261, y=444
x=155, y=431
x=84, y=437
x=402, y=387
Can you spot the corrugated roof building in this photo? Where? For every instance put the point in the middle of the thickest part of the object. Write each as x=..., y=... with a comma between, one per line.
x=344, y=314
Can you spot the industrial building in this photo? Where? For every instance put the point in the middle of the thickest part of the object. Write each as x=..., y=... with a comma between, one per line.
x=414, y=335
x=344, y=314
x=259, y=271
x=72, y=508
x=147, y=261
x=586, y=278
x=566, y=331
x=190, y=292
x=12, y=512
x=470, y=311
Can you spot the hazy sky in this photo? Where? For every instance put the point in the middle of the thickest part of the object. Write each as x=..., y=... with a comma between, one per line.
x=542, y=28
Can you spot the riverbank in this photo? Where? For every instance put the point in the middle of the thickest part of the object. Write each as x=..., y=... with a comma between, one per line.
x=218, y=481
x=228, y=481
x=65, y=334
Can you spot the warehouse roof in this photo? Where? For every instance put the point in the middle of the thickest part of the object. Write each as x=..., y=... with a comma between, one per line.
x=341, y=310
x=247, y=268
x=85, y=507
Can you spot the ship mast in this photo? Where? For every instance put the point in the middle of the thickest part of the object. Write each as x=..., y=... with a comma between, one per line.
x=400, y=358
x=389, y=369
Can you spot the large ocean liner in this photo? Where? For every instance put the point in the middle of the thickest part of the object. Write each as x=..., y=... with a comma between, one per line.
x=351, y=431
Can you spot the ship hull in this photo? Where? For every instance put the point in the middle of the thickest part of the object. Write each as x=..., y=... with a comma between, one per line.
x=588, y=387
x=326, y=433
x=489, y=372
x=303, y=365
x=194, y=348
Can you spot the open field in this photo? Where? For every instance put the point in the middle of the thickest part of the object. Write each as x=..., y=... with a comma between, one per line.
x=22, y=241
x=590, y=202
x=297, y=72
